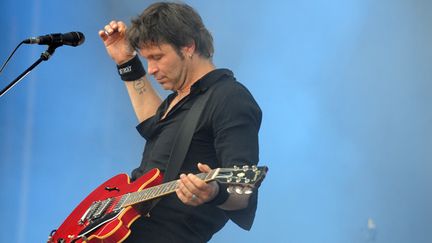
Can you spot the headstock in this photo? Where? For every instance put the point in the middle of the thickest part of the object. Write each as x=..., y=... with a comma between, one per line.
x=245, y=178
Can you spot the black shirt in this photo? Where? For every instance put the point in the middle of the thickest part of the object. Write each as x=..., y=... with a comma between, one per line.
x=226, y=135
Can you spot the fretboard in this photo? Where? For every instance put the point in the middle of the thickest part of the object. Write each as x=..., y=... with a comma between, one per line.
x=156, y=191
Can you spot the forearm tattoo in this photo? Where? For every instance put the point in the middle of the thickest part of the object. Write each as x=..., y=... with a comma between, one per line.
x=140, y=86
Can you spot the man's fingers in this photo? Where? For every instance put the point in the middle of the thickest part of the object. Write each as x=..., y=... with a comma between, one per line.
x=194, y=191
x=204, y=167
x=181, y=195
x=102, y=35
x=185, y=186
x=108, y=29
x=191, y=184
x=196, y=183
x=121, y=26
x=113, y=27
x=184, y=198
x=185, y=195
x=113, y=24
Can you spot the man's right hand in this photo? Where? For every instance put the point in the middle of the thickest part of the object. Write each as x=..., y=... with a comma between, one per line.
x=116, y=43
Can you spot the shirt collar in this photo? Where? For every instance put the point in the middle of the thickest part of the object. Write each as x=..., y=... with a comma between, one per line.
x=209, y=79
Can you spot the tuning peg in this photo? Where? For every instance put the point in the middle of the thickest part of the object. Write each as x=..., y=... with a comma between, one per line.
x=247, y=190
x=235, y=189
x=245, y=167
x=238, y=190
x=230, y=189
x=254, y=168
x=235, y=167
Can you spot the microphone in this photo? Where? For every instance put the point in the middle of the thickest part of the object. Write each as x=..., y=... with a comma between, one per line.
x=71, y=39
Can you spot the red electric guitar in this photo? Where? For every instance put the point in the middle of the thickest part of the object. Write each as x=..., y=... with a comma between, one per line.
x=107, y=213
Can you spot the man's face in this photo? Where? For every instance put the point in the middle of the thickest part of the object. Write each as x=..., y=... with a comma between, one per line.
x=165, y=64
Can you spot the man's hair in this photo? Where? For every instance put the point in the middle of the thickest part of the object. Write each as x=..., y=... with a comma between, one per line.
x=170, y=23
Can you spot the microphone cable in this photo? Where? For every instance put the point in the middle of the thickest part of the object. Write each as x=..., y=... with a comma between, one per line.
x=10, y=56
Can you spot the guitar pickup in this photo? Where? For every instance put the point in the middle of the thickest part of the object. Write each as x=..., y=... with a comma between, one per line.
x=102, y=208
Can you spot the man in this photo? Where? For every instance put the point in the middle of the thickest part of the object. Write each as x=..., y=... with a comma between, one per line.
x=179, y=49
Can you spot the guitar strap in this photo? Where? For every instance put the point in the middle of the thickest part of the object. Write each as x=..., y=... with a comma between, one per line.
x=183, y=138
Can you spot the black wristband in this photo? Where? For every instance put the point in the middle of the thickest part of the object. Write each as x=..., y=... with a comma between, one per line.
x=131, y=70
x=221, y=197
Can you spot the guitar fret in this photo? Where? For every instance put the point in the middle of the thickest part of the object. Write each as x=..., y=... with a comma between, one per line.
x=129, y=199
x=126, y=201
x=134, y=197
x=152, y=192
x=145, y=194
x=167, y=188
x=172, y=186
x=140, y=196
x=158, y=190
x=155, y=192
x=162, y=190
x=137, y=197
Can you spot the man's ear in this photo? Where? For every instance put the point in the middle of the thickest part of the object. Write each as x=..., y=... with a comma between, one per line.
x=189, y=49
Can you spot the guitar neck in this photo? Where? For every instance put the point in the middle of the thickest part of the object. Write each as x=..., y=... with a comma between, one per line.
x=160, y=190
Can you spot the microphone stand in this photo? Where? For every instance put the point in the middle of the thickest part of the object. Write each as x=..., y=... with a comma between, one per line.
x=44, y=57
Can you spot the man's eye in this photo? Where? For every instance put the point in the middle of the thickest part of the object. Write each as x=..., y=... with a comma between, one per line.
x=158, y=57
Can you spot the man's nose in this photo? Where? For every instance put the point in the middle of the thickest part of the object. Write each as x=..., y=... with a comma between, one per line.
x=151, y=67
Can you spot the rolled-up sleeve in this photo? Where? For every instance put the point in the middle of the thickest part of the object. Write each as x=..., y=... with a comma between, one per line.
x=236, y=122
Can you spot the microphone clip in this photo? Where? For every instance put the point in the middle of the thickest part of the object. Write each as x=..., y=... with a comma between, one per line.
x=49, y=52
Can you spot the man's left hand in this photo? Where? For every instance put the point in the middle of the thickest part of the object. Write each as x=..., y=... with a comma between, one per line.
x=194, y=191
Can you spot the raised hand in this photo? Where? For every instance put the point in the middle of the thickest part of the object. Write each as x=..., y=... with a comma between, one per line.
x=116, y=43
